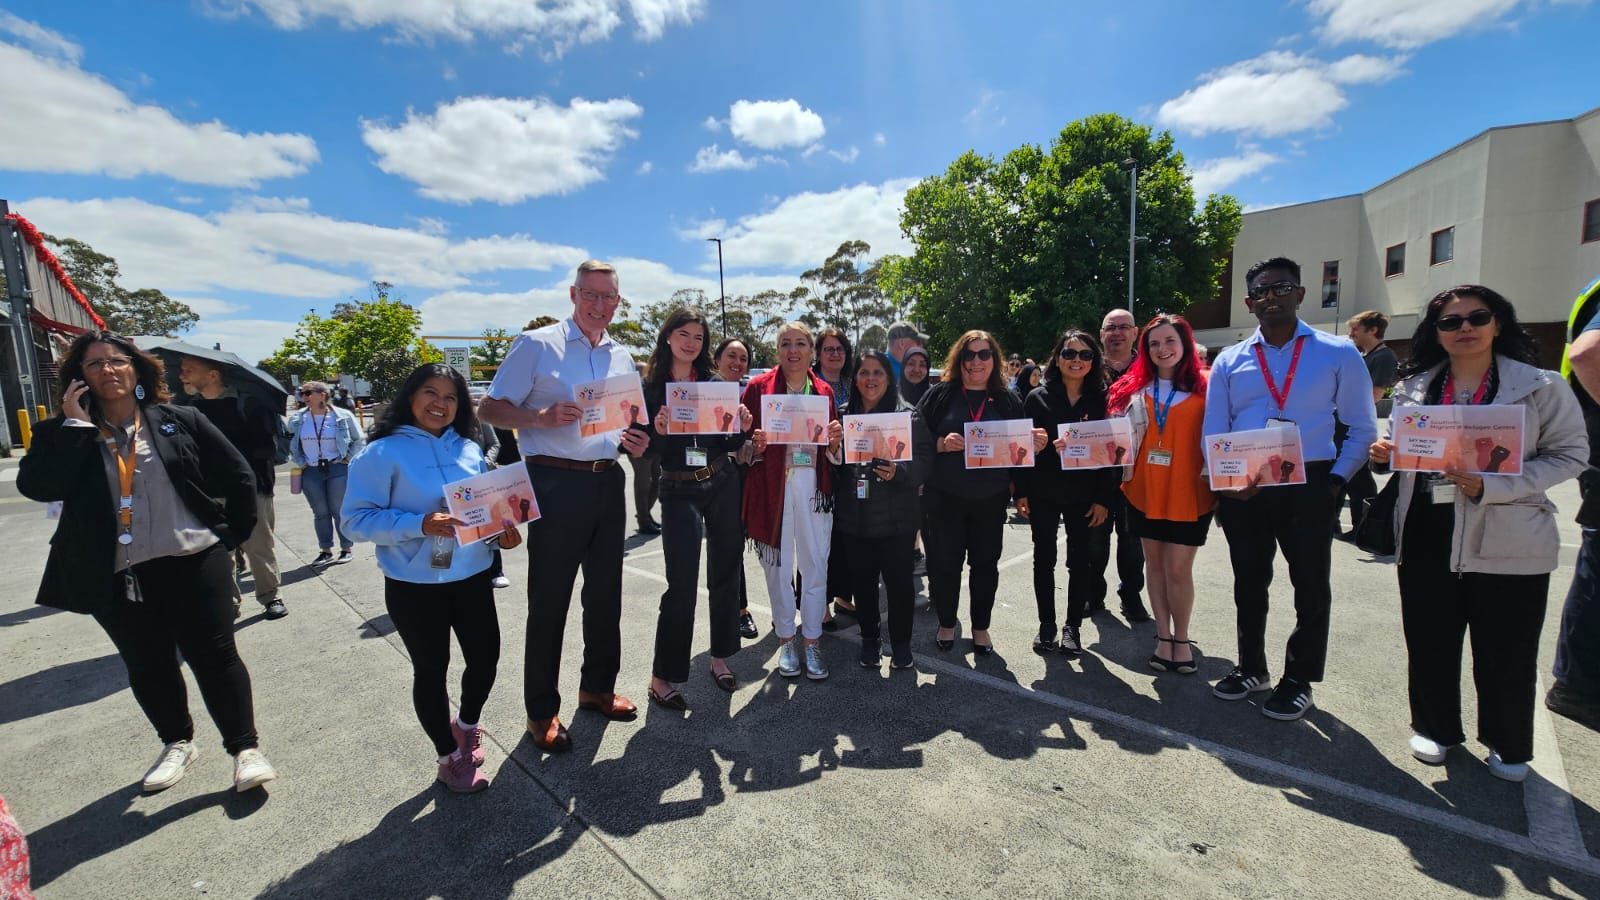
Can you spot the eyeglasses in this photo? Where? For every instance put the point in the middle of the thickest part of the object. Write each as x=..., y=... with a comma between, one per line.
x=1067, y=353
x=310, y=393
x=1276, y=289
x=1478, y=318
x=115, y=363
x=1120, y=326
x=597, y=297
x=833, y=349
x=969, y=355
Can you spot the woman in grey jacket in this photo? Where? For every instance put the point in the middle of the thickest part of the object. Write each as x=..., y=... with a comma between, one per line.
x=1495, y=534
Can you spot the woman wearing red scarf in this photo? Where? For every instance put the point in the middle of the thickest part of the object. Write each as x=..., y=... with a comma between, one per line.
x=788, y=505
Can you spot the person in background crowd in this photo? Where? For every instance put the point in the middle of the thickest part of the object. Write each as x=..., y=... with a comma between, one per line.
x=834, y=365
x=914, y=375
x=154, y=567
x=901, y=337
x=432, y=586
x=1013, y=369
x=1028, y=378
x=1169, y=504
x=1496, y=534
x=14, y=866
x=252, y=427
x=964, y=510
x=579, y=486
x=732, y=359
x=1287, y=374
x=488, y=440
x=646, y=484
x=1074, y=390
x=1366, y=332
x=323, y=440
x=700, y=501
x=344, y=400
x=1118, y=334
x=788, y=506
x=876, y=508
x=1575, y=692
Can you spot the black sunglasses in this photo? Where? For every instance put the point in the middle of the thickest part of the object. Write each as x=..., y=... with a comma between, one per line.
x=1478, y=318
x=985, y=354
x=1276, y=289
x=1068, y=353
x=309, y=393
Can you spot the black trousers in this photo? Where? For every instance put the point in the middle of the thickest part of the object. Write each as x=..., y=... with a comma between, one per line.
x=957, y=530
x=692, y=512
x=582, y=527
x=1086, y=582
x=888, y=558
x=646, y=485
x=187, y=608
x=840, y=582
x=1130, y=553
x=425, y=615
x=1292, y=519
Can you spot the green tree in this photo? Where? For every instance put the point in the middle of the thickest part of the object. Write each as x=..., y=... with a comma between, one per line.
x=841, y=294
x=376, y=340
x=143, y=311
x=490, y=353
x=540, y=322
x=1037, y=241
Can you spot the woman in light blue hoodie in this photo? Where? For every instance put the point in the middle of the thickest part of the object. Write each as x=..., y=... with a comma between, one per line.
x=432, y=586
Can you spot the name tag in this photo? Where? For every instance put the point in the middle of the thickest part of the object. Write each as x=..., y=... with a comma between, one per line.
x=798, y=457
x=1159, y=457
x=443, y=551
x=862, y=488
x=1279, y=423
x=695, y=457
x=1442, y=492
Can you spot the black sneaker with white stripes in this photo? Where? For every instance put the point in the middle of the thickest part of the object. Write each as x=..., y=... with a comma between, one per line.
x=1290, y=700
x=1238, y=684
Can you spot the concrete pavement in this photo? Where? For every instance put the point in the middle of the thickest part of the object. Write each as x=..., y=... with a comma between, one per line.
x=1018, y=775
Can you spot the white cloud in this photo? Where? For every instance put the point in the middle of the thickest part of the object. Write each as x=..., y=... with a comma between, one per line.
x=557, y=24
x=711, y=159
x=646, y=167
x=847, y=156
x=879, y=139
x=208, y=307
x=1272, y=95
x=43, y=41
x=986, y=112
x=503, y=149
x=803, y=229
x=1404, y=24
x=1214, y=175
x=712, y=124
x=59, y=118
x=253, y=339
x=774, y=124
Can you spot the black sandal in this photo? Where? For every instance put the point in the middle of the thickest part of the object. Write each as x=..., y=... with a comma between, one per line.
x=672, y=699
x=725, y=680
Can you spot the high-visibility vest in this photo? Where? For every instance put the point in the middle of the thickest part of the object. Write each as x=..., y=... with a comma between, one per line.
x=1583, y=310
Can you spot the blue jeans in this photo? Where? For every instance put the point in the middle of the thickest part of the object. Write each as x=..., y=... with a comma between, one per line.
x=324, y=490
x=1578, y=646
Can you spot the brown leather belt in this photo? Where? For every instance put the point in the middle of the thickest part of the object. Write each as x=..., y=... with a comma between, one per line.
x=704, y=474
x=576, y=465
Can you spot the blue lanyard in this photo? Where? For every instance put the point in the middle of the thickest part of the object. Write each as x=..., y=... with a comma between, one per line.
x=1162, y=410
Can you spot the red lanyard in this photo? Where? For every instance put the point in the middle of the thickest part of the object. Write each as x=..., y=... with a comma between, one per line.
x=125, y=466
x=1282, y=399
x=983, y=405
x=1448, y=397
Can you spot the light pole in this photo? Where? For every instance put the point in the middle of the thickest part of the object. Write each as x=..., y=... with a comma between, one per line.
x=721, y=287
x=1132, y=165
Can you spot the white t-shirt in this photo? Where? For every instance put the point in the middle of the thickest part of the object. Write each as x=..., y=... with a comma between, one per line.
x=319, y=436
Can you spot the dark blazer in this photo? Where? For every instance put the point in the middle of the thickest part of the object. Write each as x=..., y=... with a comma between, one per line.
x=1049, y=408
x=66, y=464
x=893, y=506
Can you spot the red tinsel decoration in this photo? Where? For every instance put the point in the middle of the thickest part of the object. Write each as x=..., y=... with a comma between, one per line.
x=36, y=241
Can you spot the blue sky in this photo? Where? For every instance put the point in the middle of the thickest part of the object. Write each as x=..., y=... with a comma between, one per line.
x=259, y=158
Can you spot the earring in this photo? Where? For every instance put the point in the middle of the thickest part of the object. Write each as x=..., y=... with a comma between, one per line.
x=138, y=392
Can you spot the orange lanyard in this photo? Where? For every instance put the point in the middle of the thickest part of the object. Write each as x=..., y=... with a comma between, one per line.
x=125, y=464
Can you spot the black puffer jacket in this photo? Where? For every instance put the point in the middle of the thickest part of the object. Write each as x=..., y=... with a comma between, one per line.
x=893, y=506
x=1049, y=408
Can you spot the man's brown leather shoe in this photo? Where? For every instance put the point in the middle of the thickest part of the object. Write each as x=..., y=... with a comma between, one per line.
x=613, y=706
x=550, y=735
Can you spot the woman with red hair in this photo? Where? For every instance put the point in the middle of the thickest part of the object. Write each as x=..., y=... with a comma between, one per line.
x=1169, y=502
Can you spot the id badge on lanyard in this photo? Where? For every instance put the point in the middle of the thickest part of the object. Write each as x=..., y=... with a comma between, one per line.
x=696, y=457
x=1159, y=457
x=1440, y=491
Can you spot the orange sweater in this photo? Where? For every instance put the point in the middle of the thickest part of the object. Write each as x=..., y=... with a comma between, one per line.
x=1176, y=493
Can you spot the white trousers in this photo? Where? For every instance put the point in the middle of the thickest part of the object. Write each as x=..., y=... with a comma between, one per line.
x=803, y=542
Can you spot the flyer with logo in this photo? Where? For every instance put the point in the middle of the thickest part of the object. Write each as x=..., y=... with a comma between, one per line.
x=490, y=502
x=1265, y=457
x=610, y=404
x=1097, y=444
x=702, y=407
x=877, y=436
x=1486, y=440
x=795, y=418
x=1006, y=443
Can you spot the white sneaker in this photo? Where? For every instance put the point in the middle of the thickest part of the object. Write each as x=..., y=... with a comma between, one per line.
x=1428, y=750
x=171, y=765
x=251, y=770
x=500, y=581
x=1505, y=771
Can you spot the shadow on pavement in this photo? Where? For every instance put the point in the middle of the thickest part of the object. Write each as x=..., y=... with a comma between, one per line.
x=23, y=616
x=61, y=687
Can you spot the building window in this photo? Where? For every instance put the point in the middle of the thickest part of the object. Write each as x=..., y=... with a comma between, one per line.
x=1591, y=221
x=1442, y=248
x=1330, y=285
x=1394, y=261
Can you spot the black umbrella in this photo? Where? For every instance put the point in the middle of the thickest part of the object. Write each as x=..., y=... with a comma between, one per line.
x=244, y=378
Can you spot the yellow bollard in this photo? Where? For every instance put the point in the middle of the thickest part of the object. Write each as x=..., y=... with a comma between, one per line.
x=42, y=413
x=25, y=428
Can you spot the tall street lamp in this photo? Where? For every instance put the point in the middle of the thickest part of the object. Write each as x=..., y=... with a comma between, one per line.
x=1132, y=165
x=722, y=287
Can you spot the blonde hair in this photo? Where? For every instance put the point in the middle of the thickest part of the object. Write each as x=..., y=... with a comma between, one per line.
x=595, y=265
x=800, y=327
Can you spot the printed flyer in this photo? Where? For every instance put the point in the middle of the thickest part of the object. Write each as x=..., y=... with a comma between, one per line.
x=610, y=404
x=702, y=407
x=490, y=502
x=795, y=418
x=1266, y=457
x=1097, y=444
x=877, y=436
x=1486, y=440
x=1006, y=443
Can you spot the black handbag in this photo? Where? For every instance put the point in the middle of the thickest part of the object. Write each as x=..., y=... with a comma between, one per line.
x=1375, y=532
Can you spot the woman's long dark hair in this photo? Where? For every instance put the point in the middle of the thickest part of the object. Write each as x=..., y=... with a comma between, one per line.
x=1513, y=340
x=150, y=370
x=1190, y=374
x=399, y=411
x=1094, y=383
x=889, y=402
x=952, y=361
x=659, y=369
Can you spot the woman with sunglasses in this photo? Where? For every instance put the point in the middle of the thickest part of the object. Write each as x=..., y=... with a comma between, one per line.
x=964, y=510
x=732, y=359
x=1169, y=503
x=1496, y=534
x=1074, y=390
x=324, y=440
x=834, y=365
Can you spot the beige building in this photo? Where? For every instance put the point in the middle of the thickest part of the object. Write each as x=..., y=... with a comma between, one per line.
x=1516, y=208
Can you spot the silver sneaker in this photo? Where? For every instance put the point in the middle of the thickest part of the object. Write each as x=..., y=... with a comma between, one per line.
x=170, y=766
x=251, y=770
x=788, y=659
x=815, y=670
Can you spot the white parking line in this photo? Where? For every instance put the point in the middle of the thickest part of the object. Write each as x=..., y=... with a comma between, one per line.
x=9, y=473
x=1552, y=819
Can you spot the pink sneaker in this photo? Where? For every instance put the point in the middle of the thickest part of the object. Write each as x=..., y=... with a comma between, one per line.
x=470, y=743
x=459, y=775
